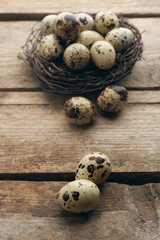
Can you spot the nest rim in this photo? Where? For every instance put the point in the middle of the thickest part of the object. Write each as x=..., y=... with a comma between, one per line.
x=58, y=78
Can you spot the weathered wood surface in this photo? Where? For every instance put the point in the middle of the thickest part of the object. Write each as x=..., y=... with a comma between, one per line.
x=28, y=211
x=33, y=7
x=38, y=138
x=39, y=98
x=15, y=74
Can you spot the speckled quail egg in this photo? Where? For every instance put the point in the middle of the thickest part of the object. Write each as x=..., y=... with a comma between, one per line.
x=89, y=37
x=80, y=110
x=120, y=38
x=78, y=196
x=86, y=21
x=105, y=21
x=95, y=167
x=76, y=56
x=47, y=24
x=50, y=47
x=103, y=54
x=66, y=26
x=113, y=98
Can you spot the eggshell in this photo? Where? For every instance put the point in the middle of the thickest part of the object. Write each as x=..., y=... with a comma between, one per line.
x=66, y=26
x=105, y=21
x=47, y=24
x=78, y=196
x=85, y=20
x=95, y=167
x=50, y=47
x=80, y=110
x=89, y=37
x=76, y=56
x=113, y=98
x=103, y=54
x=120, y=38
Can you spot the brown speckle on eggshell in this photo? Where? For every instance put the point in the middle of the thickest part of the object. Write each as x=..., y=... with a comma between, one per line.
x=103, y=55
x=86, y=21
x=83, y=194
x=66, y=26
x=50, y=47
x=97, y=168
x=47, y=24
x=113, y=98
x=105, y=21
x=80, y=110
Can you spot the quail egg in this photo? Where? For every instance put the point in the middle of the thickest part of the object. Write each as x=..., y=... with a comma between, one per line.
x=66, y=26
x=78, y=196
x=76, y=56
x=86, y=21
x=80, y=110
x=113, y=98
x=47, y=24
x=95, y=167
x=89, y=37
x=50, y=47
x=120, y=38
x=103, y=54
x=105, y=21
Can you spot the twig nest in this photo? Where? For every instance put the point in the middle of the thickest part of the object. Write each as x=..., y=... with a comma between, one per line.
x=120, y=38
x=103, y=54
x=50, y=47
x=76, y=56
x=47, y=24
x=113, y=98
x=80, y=110
x=105, y=21
x=89, y=37
x=95, y=167
x=86, y=21
x=66, y=26
x=78, y=196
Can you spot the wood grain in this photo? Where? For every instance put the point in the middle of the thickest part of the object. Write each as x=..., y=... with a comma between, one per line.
x=39, y=98
x=38, y=139
x=125, y=212
x=34, y=7
x=15, y=74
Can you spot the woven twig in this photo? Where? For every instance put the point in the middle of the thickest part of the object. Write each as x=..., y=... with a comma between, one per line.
x=56, y=77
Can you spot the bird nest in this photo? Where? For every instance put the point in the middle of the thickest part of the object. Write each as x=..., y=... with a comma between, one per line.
x=56, y=77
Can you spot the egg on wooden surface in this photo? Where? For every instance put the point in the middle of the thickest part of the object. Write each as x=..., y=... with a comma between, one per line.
x=95, y=167
x=89, y=37
x=120, y=38
x=105, y=21
x=103, y=55
x=86, y=21
x=47, y=24
x=80, y=110
x=50, y=47
x=113, y=98
x=78, y=196
x=66, y=26
x=76, y=56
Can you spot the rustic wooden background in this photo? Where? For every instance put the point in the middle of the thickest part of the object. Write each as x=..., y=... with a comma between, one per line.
x=39, y=150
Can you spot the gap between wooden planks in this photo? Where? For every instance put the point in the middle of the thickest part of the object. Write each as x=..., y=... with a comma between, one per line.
x=33, y=7
x=28, y=211
x=15, y=74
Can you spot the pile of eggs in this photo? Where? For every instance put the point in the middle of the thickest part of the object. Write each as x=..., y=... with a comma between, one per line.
x=81, y=39
x=83, y=194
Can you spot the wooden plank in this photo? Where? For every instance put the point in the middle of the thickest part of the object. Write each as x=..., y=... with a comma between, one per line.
x=33, y=7
x=17, y=75
x=38, y=139
x=125, y=212
x=39, y=98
